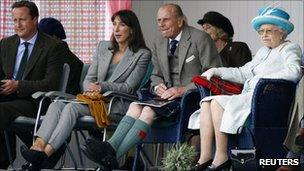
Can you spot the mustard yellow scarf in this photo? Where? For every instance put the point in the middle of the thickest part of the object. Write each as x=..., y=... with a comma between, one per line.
x=97, y=106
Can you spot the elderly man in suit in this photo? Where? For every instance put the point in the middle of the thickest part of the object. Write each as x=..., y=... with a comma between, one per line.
x=30, y=61
x=179, y=53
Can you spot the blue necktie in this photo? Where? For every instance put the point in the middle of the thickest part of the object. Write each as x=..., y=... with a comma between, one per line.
x=23, y=62
x=173, y=45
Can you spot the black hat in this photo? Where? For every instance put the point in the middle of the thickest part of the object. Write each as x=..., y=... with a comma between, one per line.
x=218, y=20
x=52, y=26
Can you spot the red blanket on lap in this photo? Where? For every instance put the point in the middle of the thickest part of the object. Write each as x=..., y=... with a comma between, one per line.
x=218, y=86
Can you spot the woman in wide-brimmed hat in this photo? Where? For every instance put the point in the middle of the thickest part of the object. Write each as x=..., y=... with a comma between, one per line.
x=220, y=29
x=223, y=114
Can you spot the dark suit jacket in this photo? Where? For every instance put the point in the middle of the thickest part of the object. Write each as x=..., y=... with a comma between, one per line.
x=44, y=67
x=76, y=65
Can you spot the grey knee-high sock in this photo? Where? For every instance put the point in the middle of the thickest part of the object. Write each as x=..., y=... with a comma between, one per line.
x=136, y=133
x=121, y=131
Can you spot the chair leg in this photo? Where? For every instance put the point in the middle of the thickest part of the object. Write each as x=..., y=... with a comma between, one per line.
x=71, y=155
x=62, y=160
x=146, y=160
x=78, y=148
x=136, y=157
x=8, y=148
x=104, y=134
x=82, y=134
x=140, y=153
x=157, y=153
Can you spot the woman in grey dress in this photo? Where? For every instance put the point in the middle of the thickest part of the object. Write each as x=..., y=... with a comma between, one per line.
x=119, y=65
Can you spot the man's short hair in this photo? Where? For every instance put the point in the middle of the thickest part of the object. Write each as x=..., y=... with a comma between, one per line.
x=30, y=5
x=177, y=9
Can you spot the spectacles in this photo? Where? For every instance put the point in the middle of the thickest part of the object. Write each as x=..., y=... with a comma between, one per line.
x=268, y=32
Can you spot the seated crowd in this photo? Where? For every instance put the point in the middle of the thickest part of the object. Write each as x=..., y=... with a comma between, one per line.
x=32, y=60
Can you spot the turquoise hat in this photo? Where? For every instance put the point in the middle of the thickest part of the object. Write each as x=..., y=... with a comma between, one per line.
x=274, y=16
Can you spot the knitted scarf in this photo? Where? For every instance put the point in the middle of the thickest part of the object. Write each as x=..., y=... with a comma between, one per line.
x=97, y=106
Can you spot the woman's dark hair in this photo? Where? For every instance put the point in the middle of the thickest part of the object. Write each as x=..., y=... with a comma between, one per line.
x=30, y=5
x=136, y=40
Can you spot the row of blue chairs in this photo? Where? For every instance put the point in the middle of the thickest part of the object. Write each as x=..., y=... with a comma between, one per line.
x=271, y=103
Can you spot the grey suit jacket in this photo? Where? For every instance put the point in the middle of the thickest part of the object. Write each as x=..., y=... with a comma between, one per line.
x=126, y=77
x=44, y=67
x=197, y=52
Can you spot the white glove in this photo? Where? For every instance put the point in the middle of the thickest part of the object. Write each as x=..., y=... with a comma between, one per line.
x=210, y=72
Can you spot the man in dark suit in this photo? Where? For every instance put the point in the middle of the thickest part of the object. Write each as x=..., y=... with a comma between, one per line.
x=30, y=61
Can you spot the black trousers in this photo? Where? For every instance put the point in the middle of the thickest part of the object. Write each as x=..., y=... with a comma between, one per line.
x=10, y=108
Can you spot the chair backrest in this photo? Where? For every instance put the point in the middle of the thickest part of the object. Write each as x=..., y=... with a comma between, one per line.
x=84, y=72
x=146, y=80
x=64, y=78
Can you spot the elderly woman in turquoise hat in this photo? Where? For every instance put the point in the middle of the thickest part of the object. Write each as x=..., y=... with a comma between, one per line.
x=223, y=114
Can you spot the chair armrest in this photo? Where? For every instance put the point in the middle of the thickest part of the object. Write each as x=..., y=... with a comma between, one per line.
x=119, y=96
x=42, y=108
x=59, y=94
x=38, y=94
x=203, y=91
x=189, y=103
x=271, y=102
x=126, y=96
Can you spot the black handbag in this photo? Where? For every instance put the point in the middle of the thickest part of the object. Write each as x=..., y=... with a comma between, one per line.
x=244, y=159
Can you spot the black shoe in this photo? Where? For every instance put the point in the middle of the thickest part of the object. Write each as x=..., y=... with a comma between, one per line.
x=101, y=153
x=90, y=140
x=95, y=146
x=26, y=166
x=34, y=168
x=30, y=167
x=33, y=156
x=224, y=166
x=199, y=167
x=99, y=148
x=88, y=153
